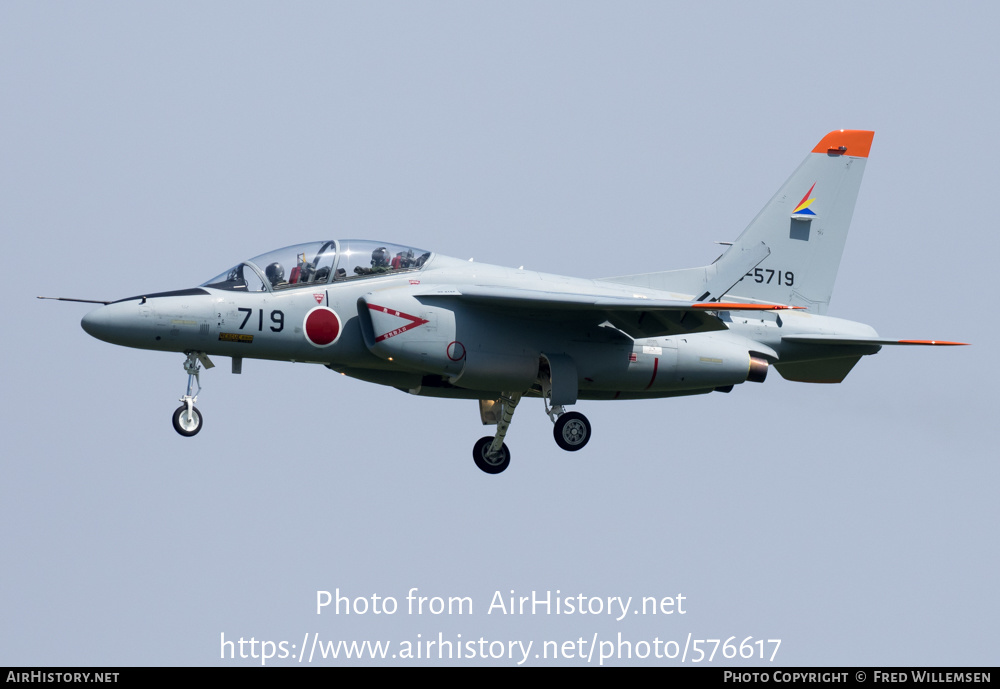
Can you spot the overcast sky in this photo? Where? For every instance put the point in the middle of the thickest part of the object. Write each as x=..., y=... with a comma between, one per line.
x=150, y=146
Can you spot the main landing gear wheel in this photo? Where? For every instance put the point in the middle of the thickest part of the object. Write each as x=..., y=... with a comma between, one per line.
x=572, y=431
x=185, y=423
x=491, y=465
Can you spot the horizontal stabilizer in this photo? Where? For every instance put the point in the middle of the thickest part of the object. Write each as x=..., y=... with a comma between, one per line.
x=828, y=371
x=836, y=355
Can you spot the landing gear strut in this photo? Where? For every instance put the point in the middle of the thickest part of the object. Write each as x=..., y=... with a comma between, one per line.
x=187, y=419
x=491, y=454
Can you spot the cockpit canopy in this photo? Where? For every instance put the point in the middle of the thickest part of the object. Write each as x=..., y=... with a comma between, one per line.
x=319, y=263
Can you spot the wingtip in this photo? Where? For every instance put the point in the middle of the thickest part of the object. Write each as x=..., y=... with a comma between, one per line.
x=941, y=343
x=736, y=306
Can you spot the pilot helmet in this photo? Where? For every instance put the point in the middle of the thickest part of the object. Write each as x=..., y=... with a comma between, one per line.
x=380, y=257
x=275, y=273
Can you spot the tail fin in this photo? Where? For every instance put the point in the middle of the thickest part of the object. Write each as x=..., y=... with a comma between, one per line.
x=805, y=225
x=802, y=229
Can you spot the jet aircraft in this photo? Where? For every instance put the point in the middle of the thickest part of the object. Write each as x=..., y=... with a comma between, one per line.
x=432, y=325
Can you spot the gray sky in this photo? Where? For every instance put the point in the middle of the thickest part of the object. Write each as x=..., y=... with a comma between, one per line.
x=150, y=146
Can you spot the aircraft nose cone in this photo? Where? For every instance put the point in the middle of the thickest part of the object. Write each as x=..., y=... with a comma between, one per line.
x=97, y=324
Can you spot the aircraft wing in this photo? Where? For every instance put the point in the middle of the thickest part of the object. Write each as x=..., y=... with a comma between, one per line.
x=862, y=341
x=636, y=316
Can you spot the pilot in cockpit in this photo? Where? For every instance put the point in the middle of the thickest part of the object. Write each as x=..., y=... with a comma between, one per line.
x=380, y=259
x=275, y=274
x=380, y=263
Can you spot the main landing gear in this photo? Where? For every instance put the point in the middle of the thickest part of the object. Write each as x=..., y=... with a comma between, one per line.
x=571, y=431
x=187, y=419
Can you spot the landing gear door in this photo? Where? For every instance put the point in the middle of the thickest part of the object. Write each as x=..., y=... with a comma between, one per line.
x=489, y=412
x=563, y=381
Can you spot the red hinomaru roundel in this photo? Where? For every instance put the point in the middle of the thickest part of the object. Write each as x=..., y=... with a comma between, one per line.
x=321, y=326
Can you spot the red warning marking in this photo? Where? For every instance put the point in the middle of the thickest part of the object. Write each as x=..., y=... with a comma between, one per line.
x=318, y=298
x=656, y=365
x=415, y=321
x=321, y=326
x=455, y=350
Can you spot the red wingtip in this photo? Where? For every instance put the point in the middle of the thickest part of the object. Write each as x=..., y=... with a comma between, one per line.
x=933, y=342
x=735, y=306
x=850, y=142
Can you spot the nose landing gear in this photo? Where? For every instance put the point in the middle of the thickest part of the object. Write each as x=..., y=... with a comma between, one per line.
x=187, y=419
x=491, y=464
x=491, y=454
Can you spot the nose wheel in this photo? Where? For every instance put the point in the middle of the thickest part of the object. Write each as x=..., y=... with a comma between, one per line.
x=187, y=422
x=187, y=419
x=490, y=453
x=491, y=464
